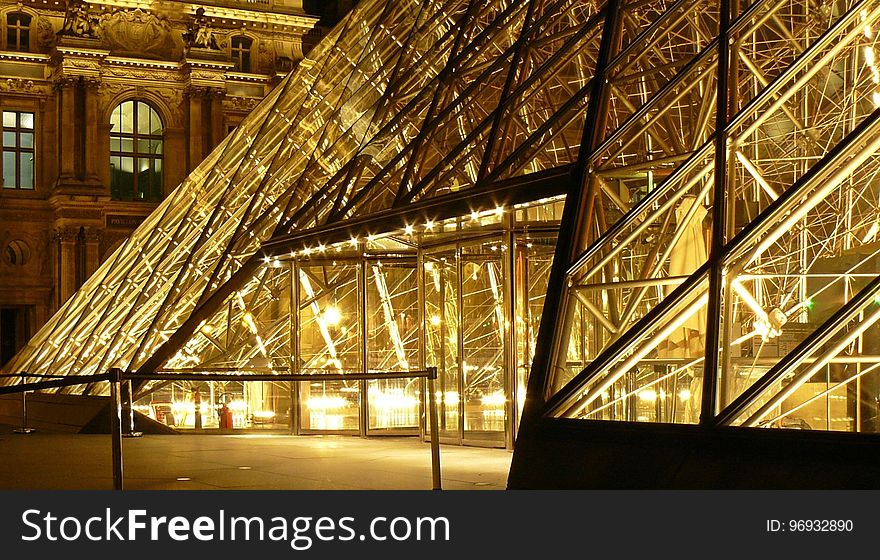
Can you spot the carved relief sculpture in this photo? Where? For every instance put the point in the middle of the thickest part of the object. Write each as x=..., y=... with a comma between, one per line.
x=198, y=33
x=78, y=22
x=138, y=33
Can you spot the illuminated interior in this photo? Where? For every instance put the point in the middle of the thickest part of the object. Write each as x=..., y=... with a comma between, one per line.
x=421, y=188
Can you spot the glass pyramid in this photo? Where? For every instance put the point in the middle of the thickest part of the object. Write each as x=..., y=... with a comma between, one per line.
x=397, y=203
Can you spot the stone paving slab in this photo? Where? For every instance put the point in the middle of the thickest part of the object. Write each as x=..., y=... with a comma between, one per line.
x=54, y=461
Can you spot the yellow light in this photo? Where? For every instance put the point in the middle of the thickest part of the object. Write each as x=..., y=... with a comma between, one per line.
x=876, y=98
x=869, y=55
x=435, y=320
x=264, y=414
x=495, y=399
x=450, y=397
x=237, y=406
x=325, y=403
x=648, y=395
x=499, y=210
x=248, y=319
x=408, y=230
x=429, y=266
x=475, y=216
x=332, y=316
x=429, y=225
x=353, y=241
x=206, y=329
x=684, y=395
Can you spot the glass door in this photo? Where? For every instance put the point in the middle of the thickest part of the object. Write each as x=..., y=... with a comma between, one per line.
x=329, y=342
x=483, y=335
x=441, y=319
x=392, y=345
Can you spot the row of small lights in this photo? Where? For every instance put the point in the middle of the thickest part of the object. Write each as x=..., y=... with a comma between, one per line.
x=408, y=230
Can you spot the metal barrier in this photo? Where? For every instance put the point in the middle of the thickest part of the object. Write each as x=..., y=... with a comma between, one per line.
x=116, y=377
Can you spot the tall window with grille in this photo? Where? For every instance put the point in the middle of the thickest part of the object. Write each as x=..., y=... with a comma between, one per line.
x=18, y=32
x=136, y=133
x=18, y=150
x=241, y=53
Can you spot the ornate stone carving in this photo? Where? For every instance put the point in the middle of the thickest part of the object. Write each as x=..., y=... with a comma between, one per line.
x=245, y=104
x=198, y=33
x=266, y=57
x=45, y=34
x=151, y=74
x=18, y=84
x=78, y=22
x=140, y=34
x=67, y=234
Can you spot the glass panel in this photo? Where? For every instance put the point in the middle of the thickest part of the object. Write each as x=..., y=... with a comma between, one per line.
x=392, y=343
x=441, y=335
x=655, y=377
x=534, y=256
x=9, y=139
x=483, y=335
x=122, y=178
x=144, y=112
x=9, y=163
x=804, y=261
x=9, y=119
x=835, y=386
x=156, y=189
x=27, y=139
x=155, y=122
x=126, y=117
x=26, y=170
x=26, y=120
x=638, y=262
x=116, y=119
x=329, y=342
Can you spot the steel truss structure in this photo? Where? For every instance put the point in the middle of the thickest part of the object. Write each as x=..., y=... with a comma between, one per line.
x=717, y=258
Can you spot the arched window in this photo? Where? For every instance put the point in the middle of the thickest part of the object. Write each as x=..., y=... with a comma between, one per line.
x=135, y=152
x=18, y=32
x=241, y=53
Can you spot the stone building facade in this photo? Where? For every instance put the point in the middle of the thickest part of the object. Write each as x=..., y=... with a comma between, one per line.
x=106, y=106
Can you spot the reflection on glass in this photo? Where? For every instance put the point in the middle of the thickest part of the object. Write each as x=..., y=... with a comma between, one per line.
x=483, y=335
x=329, y=341
x=136, y=143
x=442, y=324
x=392, y=342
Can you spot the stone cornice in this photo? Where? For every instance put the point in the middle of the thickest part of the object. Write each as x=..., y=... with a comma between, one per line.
x=241, y=11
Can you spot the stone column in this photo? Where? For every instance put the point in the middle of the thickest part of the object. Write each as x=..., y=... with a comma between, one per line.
x=93, y=251
x=67, y=140
x=196, y=97
x=91, y=147
x=218, y=122
x=66, y=238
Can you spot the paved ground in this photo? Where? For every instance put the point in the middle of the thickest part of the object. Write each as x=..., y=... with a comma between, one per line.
x=249, y=461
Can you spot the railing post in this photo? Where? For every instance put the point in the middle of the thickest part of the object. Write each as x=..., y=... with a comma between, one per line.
x=116, y=427
x=435, y=429
x=128, y=408
x=24, y=429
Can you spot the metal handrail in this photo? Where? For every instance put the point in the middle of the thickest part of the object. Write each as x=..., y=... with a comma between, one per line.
x=117, y=376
